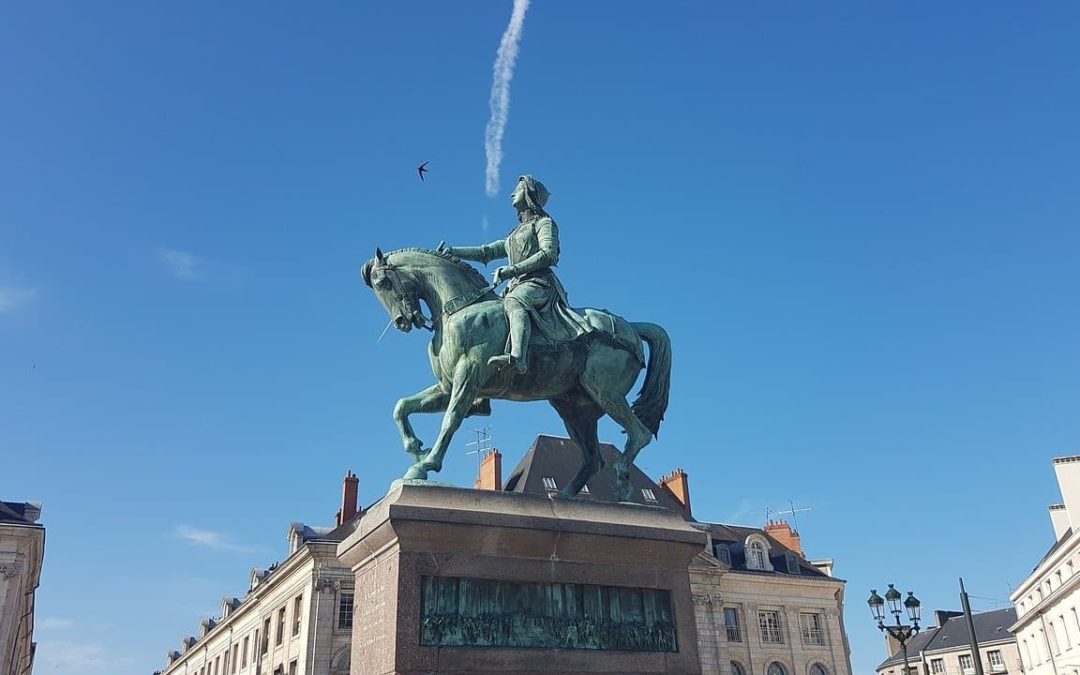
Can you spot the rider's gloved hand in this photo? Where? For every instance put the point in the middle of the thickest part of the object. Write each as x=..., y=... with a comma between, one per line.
x=502, y=273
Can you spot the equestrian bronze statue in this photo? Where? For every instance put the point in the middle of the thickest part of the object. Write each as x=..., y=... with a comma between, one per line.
x=528, y=345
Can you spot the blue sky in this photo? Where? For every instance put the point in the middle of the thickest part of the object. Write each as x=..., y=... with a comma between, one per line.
x=856, y=220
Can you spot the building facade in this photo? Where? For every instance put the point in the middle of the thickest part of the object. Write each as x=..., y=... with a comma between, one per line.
x=1048, y=626
x=22, y=551
x=295, y=619
x=761, y=607
x=945, y=649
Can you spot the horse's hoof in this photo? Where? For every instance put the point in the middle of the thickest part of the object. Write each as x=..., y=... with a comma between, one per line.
x=415, y=472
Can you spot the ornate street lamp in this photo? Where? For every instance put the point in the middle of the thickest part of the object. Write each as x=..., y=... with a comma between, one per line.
x=901, y=632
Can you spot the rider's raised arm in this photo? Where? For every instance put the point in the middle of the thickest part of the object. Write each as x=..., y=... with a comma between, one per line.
x=547, y=239
x=485, y=254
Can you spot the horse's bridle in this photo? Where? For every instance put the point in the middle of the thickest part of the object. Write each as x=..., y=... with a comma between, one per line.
x=407, y=311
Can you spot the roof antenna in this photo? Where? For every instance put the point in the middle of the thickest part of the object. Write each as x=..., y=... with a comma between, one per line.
x=482, y=443
x=791, y=511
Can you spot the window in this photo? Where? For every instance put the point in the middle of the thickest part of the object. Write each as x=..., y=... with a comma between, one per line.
x=1058, y=576
x=1028, y=663
x=292, y=667
x=818, y=669
x=755, y=558
x=280, y=627
x=549, y=484
x=1061, y=632
x=296, y=614
x=255, y=647
x=775, y=669
x=737, y=669
x=937, y=666
x=345, y=611
x=1052, y=637
x=217, y=664
x=584, y=489
x=966, y=664
x=792, y=562
x=244, y=653
x=225, y=664
x=812, y=632
x=731, y=623
x=769, y=623
x=997, y=664
x=235, y=656
x=722, y=553
x=266, y=636
x=648, y=494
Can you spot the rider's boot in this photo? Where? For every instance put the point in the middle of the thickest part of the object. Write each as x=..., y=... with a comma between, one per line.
x=520, y=328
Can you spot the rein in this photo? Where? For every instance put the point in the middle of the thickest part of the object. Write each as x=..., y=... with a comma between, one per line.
x=450, y=307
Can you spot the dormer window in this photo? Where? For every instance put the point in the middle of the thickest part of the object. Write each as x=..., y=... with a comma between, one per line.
x=756, y=547
x=549, y=484
x=649, y=495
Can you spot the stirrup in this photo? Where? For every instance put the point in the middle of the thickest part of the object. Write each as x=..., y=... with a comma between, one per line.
x=509, y=361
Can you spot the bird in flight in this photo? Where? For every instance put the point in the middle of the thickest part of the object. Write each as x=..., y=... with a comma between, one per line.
x=422, y=169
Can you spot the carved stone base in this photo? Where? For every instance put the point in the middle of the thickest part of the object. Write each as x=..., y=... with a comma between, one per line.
x=450, y=580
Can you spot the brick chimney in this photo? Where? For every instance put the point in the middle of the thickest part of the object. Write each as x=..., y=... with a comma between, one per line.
x=678, y=486
x=782, y=532
x=349, y=487
x=490, y=477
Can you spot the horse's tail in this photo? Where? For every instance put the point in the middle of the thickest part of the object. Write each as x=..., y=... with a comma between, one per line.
x=652, y=400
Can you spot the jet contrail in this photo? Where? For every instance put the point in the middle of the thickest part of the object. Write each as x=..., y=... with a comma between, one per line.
x=500, y=94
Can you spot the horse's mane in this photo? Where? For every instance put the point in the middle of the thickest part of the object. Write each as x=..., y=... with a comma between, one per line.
x=479, y=278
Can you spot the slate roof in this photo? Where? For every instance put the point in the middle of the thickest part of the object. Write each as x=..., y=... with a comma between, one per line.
x=954, y=634
x=21, y=513
x=560, y=458
x=914, y=646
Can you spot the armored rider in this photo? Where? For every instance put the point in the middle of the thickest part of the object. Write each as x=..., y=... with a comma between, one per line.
x=534, y=294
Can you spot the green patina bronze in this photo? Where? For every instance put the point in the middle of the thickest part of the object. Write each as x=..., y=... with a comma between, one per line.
x=459, y=612
x=582, y=361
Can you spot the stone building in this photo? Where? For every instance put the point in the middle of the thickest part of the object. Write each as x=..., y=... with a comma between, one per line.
x=22, y=550
x=295, y=619
x=1048, y=600
x=761, y=607
x=945, y=649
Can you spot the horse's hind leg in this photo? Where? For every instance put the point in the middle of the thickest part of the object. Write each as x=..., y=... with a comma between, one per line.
x=580, y=414
x=605, y=389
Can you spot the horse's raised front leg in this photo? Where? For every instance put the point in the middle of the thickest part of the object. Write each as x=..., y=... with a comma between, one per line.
x=465, y=387
x=432, y=399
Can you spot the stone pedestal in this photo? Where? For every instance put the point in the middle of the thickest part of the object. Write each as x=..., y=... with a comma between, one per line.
x=451, y=580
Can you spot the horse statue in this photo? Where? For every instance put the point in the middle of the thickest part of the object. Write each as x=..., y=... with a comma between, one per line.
x=583, y=380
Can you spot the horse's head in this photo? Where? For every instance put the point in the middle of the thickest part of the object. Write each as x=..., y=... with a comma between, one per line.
x=397, y=290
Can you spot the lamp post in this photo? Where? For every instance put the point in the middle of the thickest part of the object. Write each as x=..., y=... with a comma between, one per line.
x=901, y=632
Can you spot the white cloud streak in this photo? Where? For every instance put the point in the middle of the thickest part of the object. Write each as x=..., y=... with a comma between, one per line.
x=181, y=264
x=12, y=299
x=213, y=540
x=505, y=59
x=75, y=658
x=53, y=623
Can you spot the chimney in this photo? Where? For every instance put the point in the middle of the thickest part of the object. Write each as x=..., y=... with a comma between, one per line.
x=1059, y=517
x=490, y=476
x=678, y=486
x=892, y=645
x=1068, y=477
x=943, y=615
x=782, y=532
x=349, y=488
